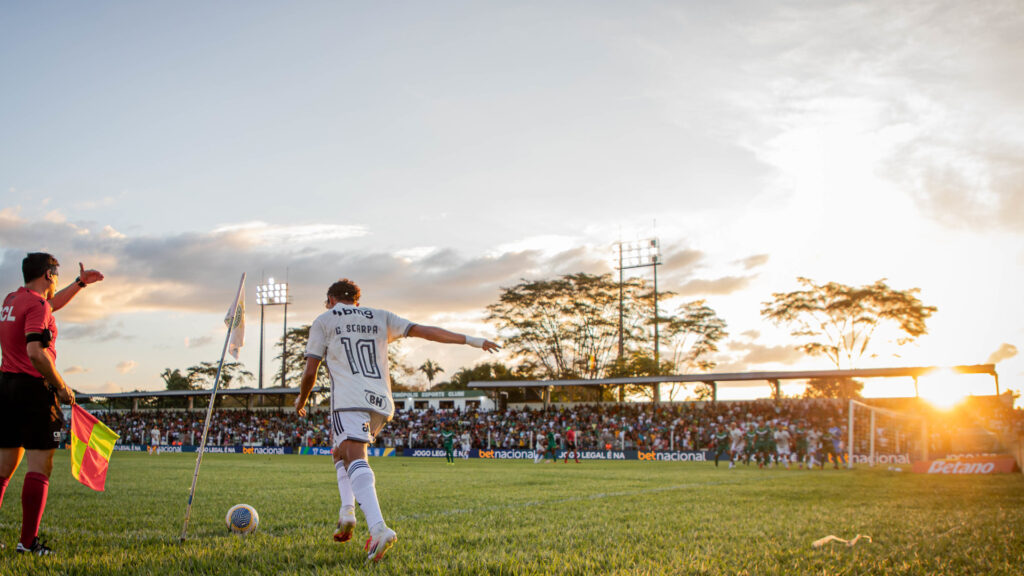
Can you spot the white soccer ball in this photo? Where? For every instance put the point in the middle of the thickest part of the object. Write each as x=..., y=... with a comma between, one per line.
x=242, y=519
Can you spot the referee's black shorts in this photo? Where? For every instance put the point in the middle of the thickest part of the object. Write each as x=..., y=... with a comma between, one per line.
x=30, y=414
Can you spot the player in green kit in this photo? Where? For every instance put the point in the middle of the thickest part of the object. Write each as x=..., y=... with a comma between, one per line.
x=750, y=444
x=448, y=439
x=722, y=441
x=551, y=447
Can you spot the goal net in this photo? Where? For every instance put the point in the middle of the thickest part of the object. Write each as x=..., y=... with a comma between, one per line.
x=884, y=437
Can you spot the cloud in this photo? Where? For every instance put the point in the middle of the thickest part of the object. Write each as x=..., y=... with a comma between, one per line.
x=928, y=92
x=126, y=366
x=96, y=331
x=262, y=233
x=548, y=244
x=759, y=354
x=682, y=260
x=196, y=272
x=109, y=232
x=197, y=342
x=1004, y=352
x=107, y=387
x=717, y=286
x=75, y=370
x=754, y=261
x=746, y=354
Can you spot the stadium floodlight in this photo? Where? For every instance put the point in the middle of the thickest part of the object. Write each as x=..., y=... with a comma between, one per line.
x=641, y=254
x=273, y=294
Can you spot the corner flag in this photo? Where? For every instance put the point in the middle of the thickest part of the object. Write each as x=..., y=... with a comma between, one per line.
x=91, y=445
x=235, y=321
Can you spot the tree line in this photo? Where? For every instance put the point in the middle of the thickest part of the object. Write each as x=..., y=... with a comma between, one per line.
x=587, y=326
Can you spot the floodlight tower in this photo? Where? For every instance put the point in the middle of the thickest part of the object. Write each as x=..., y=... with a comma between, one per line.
x=273, y=294
x=641, y=254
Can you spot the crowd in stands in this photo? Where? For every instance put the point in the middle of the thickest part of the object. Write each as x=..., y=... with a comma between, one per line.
x=628, y=426
x=685, y=426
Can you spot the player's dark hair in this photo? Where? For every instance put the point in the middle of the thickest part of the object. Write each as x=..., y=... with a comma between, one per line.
x=37, y=264
x=344, y=290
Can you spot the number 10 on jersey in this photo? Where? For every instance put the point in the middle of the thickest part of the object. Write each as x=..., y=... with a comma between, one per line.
x=362, y=357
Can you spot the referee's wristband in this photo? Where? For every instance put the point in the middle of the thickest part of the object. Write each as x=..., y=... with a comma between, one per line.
x=475, y=341
x=80, y=283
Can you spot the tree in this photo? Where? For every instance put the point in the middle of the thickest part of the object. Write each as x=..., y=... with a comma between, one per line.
x=568, y=327
x=833, y=388
x=637, y=363
x=176, y=380
x=295, y=363
x=485, y=371
x=839, y=321
x=201, y=375
x=399, y=370
x=430, y=369
x=693, y=334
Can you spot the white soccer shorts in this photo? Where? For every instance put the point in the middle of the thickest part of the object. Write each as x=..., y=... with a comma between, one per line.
x=355, y=425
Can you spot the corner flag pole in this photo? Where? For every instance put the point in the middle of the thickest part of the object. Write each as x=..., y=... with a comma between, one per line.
x=235, y=317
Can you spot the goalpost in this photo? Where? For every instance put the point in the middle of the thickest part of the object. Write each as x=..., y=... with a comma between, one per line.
x=880, y=436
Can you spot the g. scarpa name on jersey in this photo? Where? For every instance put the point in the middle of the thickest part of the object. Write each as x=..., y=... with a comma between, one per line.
x=355, y=328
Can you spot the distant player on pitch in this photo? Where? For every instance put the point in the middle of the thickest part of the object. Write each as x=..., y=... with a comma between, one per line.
x=570, y=445
x=736, y=445
x=353, y=340
x=448, y=441
x=539, y=453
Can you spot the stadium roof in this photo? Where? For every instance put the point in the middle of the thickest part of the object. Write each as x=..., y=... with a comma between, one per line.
x=912, y=372
x=185, y=393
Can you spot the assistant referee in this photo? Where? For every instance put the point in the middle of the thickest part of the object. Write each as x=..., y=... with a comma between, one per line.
x=31, y=389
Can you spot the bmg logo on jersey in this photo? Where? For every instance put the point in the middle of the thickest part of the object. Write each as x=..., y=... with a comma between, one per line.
x=376, y=399
x=368, y=314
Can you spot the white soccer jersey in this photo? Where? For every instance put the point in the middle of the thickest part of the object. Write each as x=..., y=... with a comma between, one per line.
x=782, y=438
x=353, y=341
x=736, y=436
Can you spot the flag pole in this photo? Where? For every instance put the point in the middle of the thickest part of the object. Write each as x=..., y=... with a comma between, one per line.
x=238, y=307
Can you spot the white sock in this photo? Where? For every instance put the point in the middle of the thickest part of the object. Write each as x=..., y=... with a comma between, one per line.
x=365, y=490
x=344, y=485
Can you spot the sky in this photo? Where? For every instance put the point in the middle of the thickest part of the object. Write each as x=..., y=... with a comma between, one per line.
x=437, y=152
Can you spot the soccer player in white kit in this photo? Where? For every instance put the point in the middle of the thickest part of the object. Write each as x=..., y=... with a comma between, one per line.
x=353, y=340
x=154, y=437
x=782, y=449
x=737, y=444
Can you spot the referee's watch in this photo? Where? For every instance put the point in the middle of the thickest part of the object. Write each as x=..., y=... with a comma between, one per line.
x=80, y=283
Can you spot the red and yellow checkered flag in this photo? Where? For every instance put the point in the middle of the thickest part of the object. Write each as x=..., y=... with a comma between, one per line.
x=91, y=445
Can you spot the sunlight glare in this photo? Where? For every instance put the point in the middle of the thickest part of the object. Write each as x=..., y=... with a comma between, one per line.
x=943, y=388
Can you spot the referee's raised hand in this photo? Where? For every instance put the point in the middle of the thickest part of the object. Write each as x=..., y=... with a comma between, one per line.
x=88, y=276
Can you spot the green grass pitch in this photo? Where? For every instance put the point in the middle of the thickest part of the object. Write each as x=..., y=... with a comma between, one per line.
x=515, y=517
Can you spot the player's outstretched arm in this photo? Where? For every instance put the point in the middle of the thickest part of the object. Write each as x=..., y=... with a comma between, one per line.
x=85, y=277
x=435, y=334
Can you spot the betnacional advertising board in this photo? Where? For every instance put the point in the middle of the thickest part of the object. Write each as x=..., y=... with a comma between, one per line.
x=523, y=454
